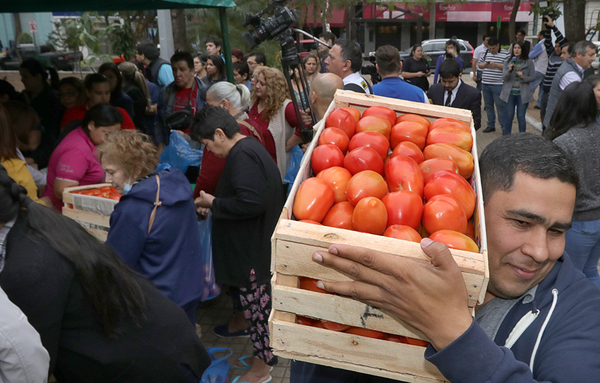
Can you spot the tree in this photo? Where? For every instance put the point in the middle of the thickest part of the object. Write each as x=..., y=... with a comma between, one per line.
x=178, y=23
x=513, y=16
x=574, y=15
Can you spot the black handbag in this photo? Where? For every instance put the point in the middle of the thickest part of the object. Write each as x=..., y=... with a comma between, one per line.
x=182, y=118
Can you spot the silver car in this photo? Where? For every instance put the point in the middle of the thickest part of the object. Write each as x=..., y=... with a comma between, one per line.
x=432, y=49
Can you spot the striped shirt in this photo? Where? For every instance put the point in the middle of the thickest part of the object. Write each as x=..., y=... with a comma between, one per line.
x=493, y=76
x=554, y=60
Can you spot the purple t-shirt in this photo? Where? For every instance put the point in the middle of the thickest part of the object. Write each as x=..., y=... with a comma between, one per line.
x=74, y=159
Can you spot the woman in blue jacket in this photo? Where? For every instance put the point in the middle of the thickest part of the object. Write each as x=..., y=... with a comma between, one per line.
x=154, y=227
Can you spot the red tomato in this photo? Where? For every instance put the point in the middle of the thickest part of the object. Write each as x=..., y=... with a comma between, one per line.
x=311, y=285
x=403, y=173
x=412, y=131
x=413, y=117
x=340, y=216
x=381, y=111
x=443, y=212
x=77, y=192
x=314, y=199
x=105, y=188
x=373, y=140
x=395, y=338
x=374, y=124
x=447, y=182
x=462, y=158
x=335, y=137
x=449, y=122
x=115, y=196
x=354, y=112
x=403, y=208
x=95, y=192
x=341, y=119
x=455, y=240
x=338, y=178
x=409, y=149
x=366, y=332
x=451, y=135
x=365, y=184
x=326, y=156
x=434, y=165
x=417, y=342
x=406, y=233
x=334, y=326
x=363, y=158
x=305, y=321
x=85, y=192
x=70, y=206
x=309, y=221
x=318, y=324
x=370, y=216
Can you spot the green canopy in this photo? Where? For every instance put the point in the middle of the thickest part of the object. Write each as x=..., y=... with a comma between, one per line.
x=9, y=6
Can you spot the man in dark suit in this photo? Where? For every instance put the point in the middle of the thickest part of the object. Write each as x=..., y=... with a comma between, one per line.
x=453, y=92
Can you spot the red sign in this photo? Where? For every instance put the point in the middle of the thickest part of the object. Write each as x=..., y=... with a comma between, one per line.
x=32, y=27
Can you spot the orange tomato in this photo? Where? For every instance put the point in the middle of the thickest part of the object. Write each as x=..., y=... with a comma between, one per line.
x=443, y=212
x=343, y=120
x=370, y=216
x=335, y=137
x=309, y=221
x=373, y=140
x=363, y=158
x=338, y=178
x=374, y=124
x=365, y=184
x=381, y=111
x=413, y=117
x=434, y=165
x=354, y=112
x=455, y=240
x=314, y=199
x=340, y=216
x=403, y=173
x=446, y=182
x=305, y=321
x=404, y=232
x=412, y=131
x=366, y=332
x=310, y=284
x=334, y=326
x=462, y=158
x=449, y=122
x=409, y=149
x=451, y=135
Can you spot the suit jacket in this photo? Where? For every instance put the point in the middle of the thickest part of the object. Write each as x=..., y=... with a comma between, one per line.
x=467, y=97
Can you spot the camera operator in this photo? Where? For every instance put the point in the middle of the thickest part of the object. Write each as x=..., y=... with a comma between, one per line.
x=555, y=59
x=329, y=38
x=345, y=60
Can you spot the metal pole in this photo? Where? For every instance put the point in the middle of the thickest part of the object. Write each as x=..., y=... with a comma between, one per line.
x=165, y=33
x=226, y=44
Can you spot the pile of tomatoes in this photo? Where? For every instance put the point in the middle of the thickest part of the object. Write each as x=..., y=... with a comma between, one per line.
x=311, y=285
x=103, y=191
x=401, y=176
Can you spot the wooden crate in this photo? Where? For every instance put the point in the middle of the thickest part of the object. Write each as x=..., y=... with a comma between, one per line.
x=293, y=244
x=96, y=224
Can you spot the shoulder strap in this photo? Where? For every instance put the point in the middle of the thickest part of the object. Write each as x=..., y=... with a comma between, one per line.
x=354, y=88
x=157, y=203
x=252, y=129
x=368, y=85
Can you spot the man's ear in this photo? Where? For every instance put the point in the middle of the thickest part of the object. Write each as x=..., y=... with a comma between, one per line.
x=377, y=67
x=460, y=76
x=347, y=66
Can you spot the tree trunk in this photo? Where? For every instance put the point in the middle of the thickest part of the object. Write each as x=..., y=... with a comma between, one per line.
x=574, y=14
x=511, y=24
x=17, y=22
x=179, y=30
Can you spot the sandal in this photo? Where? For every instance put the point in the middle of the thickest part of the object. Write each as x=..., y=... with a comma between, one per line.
x=244, y=365
x=269, y=379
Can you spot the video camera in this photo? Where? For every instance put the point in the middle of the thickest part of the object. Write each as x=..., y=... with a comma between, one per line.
x=270, y=28
x=371, y=70
x=547, y=10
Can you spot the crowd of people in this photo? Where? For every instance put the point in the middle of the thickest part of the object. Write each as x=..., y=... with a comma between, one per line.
x=122, y=310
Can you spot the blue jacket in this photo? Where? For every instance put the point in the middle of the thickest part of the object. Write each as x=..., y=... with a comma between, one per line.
x=569, y=349
x=395, y=87
x=170, y=254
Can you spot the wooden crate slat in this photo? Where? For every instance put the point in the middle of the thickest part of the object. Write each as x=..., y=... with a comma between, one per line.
x=370, y=356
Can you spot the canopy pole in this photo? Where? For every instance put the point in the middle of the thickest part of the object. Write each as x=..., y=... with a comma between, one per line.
x=165, y=33
x=226, y=44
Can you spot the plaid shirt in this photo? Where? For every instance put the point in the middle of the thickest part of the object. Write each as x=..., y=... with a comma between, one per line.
x=3, y=233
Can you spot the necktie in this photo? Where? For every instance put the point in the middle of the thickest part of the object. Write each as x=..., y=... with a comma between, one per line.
x=448, y=98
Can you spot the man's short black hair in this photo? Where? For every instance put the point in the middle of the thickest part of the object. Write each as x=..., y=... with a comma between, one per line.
x=524, y=152
x=259, y=57
x=183, y=56
x=215, y=40
x=493, y=41
x=388, y=60
x=211, y=118
x=327, y=36
x=94, y=78
x=450, y=68
x=485, y=37
x=351, y=51
x=521, y=31
x=148, y=49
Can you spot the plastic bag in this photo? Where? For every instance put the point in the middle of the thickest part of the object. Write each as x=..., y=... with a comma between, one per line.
x=179, y=154
x=292, y=172
x=211, y=288
x=219, y=367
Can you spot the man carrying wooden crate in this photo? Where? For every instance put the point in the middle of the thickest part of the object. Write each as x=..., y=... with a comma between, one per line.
x=540, y=320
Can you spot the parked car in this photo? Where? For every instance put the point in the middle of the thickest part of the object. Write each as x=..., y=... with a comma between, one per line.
x=434, y=48
x=59, y=60
x=596, y=63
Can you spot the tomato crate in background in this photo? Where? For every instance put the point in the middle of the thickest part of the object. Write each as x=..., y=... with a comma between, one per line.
x=91, y=212
x=293, y=244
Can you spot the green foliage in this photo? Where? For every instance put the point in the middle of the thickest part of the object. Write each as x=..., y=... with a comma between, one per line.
x=73, y=34
x=123, y=39
x=552, y=8
x=25, y=38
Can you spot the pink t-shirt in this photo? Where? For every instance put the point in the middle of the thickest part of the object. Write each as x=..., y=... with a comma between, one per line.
x=74, y=159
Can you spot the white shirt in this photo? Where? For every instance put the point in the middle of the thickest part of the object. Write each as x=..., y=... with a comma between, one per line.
x=452, y=94
x=356, y=78
x=571, y=77
x=478, y=52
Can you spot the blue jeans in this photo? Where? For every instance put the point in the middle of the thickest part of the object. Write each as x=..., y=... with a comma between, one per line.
x=491, y=96
x=479, y=74
x=583, y=246
x=514, y=101
x=539, y=77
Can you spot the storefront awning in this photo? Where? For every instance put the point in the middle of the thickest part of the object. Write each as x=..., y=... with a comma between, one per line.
x=9, y=6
